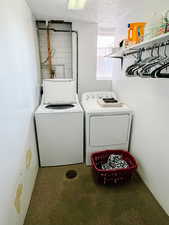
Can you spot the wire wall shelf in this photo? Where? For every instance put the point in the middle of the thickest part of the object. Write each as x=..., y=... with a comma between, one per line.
x=134, y=48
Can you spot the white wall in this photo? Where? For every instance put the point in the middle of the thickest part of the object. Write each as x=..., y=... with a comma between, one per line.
x=149, y=99
x=18, y=96
x=87, y=58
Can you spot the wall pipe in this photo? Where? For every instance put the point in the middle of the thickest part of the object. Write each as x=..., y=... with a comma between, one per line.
x=77, y=51
x=49, y=51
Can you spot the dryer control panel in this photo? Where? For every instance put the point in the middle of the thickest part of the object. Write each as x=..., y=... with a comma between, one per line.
x=96, y=95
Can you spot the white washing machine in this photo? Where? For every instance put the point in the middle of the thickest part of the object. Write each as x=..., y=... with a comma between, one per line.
x=60, y=134
x=105, y=127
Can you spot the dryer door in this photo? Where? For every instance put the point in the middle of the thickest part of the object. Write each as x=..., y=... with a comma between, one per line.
x=109, y=130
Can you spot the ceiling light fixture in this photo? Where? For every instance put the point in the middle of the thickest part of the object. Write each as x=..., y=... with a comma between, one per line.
x=76, y=4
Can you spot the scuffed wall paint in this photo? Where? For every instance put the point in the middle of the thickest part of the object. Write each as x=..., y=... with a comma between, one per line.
x=18, y=198
x=28, y=158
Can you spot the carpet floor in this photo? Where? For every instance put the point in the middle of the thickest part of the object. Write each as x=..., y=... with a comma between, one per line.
x=57, y=200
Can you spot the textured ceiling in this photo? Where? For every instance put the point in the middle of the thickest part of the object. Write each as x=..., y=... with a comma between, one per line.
x=111, y=14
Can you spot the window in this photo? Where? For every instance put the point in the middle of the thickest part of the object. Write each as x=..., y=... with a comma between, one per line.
x=104, y=64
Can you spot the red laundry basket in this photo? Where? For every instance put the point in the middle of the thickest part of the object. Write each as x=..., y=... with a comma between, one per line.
x=113, y=176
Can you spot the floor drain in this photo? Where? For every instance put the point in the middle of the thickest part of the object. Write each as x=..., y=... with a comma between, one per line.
x=70, y=174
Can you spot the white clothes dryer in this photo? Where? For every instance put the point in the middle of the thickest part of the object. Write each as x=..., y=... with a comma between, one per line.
x=105, y=127
x=60, y=134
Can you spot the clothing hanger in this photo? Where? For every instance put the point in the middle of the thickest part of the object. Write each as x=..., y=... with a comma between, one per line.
x=162, y=75
x=161, y=63
x=151, y=66
x=163, y=60
x=157, y=72
x=138, y=59
x=158, y=61
x=135, y=70
x=145, y=61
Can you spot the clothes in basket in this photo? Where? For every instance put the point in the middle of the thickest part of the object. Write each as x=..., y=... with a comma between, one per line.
x=114, y=162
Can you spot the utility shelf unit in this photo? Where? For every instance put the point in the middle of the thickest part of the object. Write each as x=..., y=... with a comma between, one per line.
x=123, y=51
